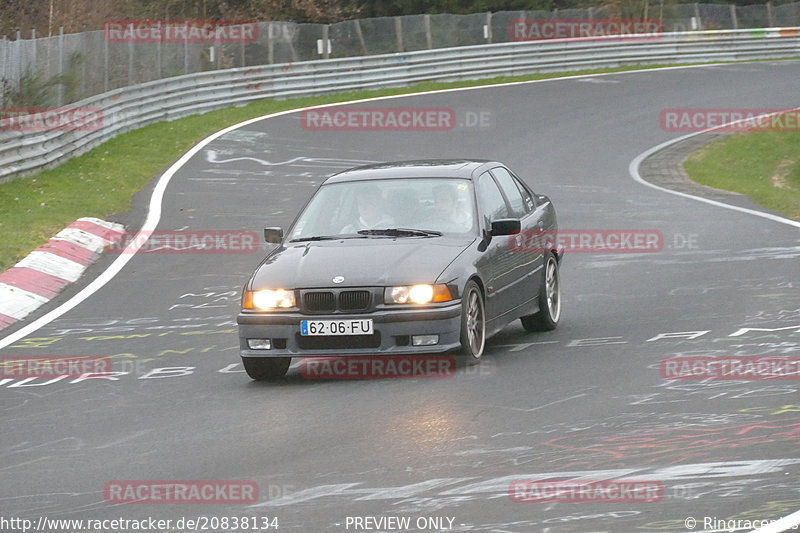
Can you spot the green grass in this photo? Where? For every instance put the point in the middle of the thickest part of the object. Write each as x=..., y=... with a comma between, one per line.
x=763, y=165
x=103, y=181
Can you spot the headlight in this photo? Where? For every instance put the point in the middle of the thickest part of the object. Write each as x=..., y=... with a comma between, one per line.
x=417, y=294
x=268, y=299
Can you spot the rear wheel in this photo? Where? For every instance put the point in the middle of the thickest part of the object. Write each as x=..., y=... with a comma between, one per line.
x=263, y=368
x=549, y=299
x=473, y=324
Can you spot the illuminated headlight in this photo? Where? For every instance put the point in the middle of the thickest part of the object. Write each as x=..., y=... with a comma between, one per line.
x=268, y=299
x=416, y=294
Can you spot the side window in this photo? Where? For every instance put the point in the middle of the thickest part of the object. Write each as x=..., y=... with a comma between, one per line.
x=493, y=206
x=518, y=197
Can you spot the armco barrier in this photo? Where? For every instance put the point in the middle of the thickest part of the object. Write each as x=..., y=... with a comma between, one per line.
x=23, y=152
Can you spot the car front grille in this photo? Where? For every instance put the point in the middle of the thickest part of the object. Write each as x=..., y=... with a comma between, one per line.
x=332, y=301
x=354, y=300
x=319, y=302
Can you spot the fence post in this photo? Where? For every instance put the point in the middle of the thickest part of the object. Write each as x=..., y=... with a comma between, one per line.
x=84, y=55
x=158, y=51
x=325, y=50
x=241, y=47
x=270, y=44
x=734, y=20
x=697, y=16
x=3, y=49
x=18, y=49
x=216, y=52
x=489, y=27
x=60, y=65
x=3, y=56
x=398, y=30
x=186, y=50
x=770, y=20
x=105, y=63
x=427, y=24
x=130, y=56
x=33, y=45
x=360, y=37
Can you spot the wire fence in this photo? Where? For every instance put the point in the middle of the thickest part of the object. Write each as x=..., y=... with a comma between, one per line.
x=65, y=68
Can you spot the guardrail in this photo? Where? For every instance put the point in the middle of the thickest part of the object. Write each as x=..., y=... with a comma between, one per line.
x=24, y=152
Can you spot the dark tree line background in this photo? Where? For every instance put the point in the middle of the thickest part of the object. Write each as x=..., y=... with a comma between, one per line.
x=45, y=16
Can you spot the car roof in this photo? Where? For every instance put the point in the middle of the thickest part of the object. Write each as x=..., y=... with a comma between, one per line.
x=425, y=168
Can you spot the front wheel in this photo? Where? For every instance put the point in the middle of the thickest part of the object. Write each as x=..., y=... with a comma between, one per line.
x=473, y=324
x=263, y=368
x=549, y=312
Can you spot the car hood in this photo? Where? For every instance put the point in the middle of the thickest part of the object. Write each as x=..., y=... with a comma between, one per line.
x=361, y=262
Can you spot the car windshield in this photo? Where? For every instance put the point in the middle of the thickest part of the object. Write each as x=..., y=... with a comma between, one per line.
x=404, y=207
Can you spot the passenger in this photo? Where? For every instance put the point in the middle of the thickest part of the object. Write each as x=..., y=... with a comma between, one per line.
x=445, y=199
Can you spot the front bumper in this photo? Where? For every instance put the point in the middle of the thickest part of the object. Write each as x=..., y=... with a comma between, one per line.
x=392, y=328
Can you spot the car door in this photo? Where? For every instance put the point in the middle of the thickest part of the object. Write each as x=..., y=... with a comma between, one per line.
x=526, y=264
x=498, y=259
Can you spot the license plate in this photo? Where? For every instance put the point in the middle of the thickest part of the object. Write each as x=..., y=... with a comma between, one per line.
x=335, y=327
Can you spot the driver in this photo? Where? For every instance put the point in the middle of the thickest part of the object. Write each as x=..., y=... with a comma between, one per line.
x=371, y=212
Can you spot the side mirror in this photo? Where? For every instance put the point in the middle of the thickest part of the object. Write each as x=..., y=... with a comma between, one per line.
x=506, y=226
x=273, y=235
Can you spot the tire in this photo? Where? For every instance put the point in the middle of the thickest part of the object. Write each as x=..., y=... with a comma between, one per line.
x=473, y=324
x=263, y=368
x=549, y=313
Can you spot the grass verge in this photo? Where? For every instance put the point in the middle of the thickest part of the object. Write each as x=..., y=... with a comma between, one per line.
x=765, y=166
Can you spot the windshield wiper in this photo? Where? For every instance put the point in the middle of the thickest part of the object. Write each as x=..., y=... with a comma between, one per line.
x=327, y=238
x=401, y=232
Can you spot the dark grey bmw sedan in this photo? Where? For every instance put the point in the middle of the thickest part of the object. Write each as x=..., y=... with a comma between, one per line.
x=413, y=257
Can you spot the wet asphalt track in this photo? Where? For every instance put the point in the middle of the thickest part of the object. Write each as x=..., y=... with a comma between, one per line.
x=586, y=398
